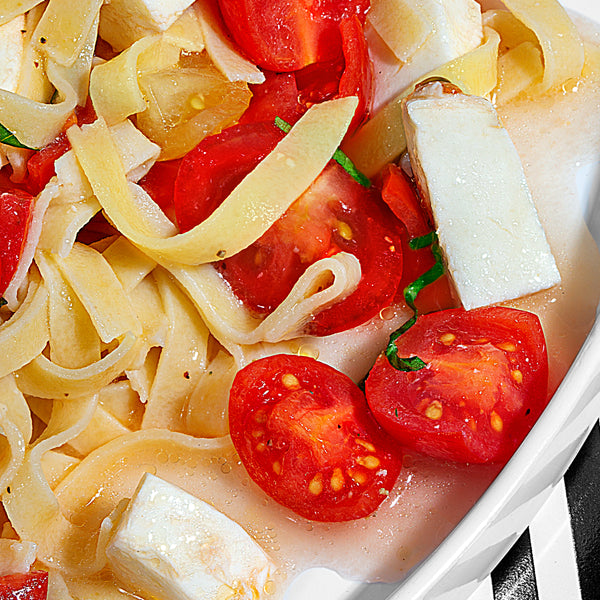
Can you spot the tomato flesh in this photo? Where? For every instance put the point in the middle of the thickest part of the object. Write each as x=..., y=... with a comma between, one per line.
x=287, y=35
x=484, y=386
x=24, y=586
x=15, y=217
x=305, y=435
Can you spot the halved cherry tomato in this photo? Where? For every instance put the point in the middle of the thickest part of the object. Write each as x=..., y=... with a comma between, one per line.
x=305, y=435
x=15, y=217
x=335, y=214
x=24, y=586
x=287, y=35
x=483, y=387
x=159, y=183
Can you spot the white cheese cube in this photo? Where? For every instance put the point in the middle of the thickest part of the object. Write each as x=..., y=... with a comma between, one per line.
x=11, y=53
x=123, y=22
x=170, y=545
x=469, y=171
x=422, y=35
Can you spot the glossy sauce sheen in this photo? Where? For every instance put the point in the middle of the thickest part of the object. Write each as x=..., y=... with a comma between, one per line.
x=554, y=137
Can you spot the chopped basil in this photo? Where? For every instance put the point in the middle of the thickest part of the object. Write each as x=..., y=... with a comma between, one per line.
x=3, y=302
x=339, y=157
x=10, y=139
x=411, y=291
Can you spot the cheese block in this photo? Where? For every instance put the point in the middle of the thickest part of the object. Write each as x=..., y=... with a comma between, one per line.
x=170, y=545
x=469, y=172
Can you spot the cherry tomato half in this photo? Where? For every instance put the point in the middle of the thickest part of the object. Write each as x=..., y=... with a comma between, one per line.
x=305, y=435
x=483, y=387
x=24, y=586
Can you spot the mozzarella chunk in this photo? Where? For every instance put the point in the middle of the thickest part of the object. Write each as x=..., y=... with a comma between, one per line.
x=123, y=22
x=15, y=556
x=170, y=545
x=413, y=37
x=469, y=171
x=11, y=53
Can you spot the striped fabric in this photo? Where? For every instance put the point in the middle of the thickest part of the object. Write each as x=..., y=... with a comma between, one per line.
x=558, y=557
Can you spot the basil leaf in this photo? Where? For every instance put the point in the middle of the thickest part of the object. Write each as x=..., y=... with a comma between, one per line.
x=411, y=291
x=342, y=159
x=10, y=139
x=3, y=302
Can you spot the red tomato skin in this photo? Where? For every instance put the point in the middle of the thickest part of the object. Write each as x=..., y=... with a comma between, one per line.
x=277, y=96
x=24, y=586
x=481, y=392
x=287, y=35
x=159, y=184
x=293, y=421
x=16, y=208
x=210, y=171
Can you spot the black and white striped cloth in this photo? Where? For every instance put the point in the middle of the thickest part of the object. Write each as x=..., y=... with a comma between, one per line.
x=558, y=556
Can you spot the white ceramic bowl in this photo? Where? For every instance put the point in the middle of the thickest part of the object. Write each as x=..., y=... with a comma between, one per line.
x=470, y=552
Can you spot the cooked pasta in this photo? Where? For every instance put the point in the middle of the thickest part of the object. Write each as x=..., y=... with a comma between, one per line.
x=117, y=354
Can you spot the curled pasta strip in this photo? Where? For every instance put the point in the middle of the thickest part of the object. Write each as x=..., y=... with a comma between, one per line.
x=114, y=88
x=382, y=139
x=26, y=333
x=561, y=44
x=324, y=283
x=45, y=379
x=34, y=123
x=64, y=28
x=253, y=206
x=15, y=421
x=9, y=9
x=31, y=505
x=74, y=341
x=182, y=360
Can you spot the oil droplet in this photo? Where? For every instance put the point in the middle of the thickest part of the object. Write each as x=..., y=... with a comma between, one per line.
x=226, y=468
x=162, y=457
x=387, y=313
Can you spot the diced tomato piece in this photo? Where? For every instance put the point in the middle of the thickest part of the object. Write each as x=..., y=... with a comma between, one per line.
x=24, y=586
x=305, y=435
x=484, y=385
x=16, y=208
x=399, y=193
x=287, y=35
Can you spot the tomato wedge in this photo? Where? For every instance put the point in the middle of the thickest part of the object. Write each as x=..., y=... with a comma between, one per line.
x=287, y=35
x=24, y=586
x=483, y=387
x=305, y=435
x=15, y=217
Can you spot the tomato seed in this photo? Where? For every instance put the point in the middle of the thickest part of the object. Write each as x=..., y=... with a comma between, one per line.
x=358, y=476
x=447, y=338
x=434, y=411
x=337, y=480
x=496, y=421
x=517, y=376
x=277, y=467
x=367, y=445
x=507, y=346
x=315, y=486
x=370, y=462
x=290, y=382
x=344, y=230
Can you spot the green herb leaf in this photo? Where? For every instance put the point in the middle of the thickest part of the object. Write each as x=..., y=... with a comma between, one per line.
x=411, y=291
x=3, y=302
x=342, y=159
x=10, y=139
